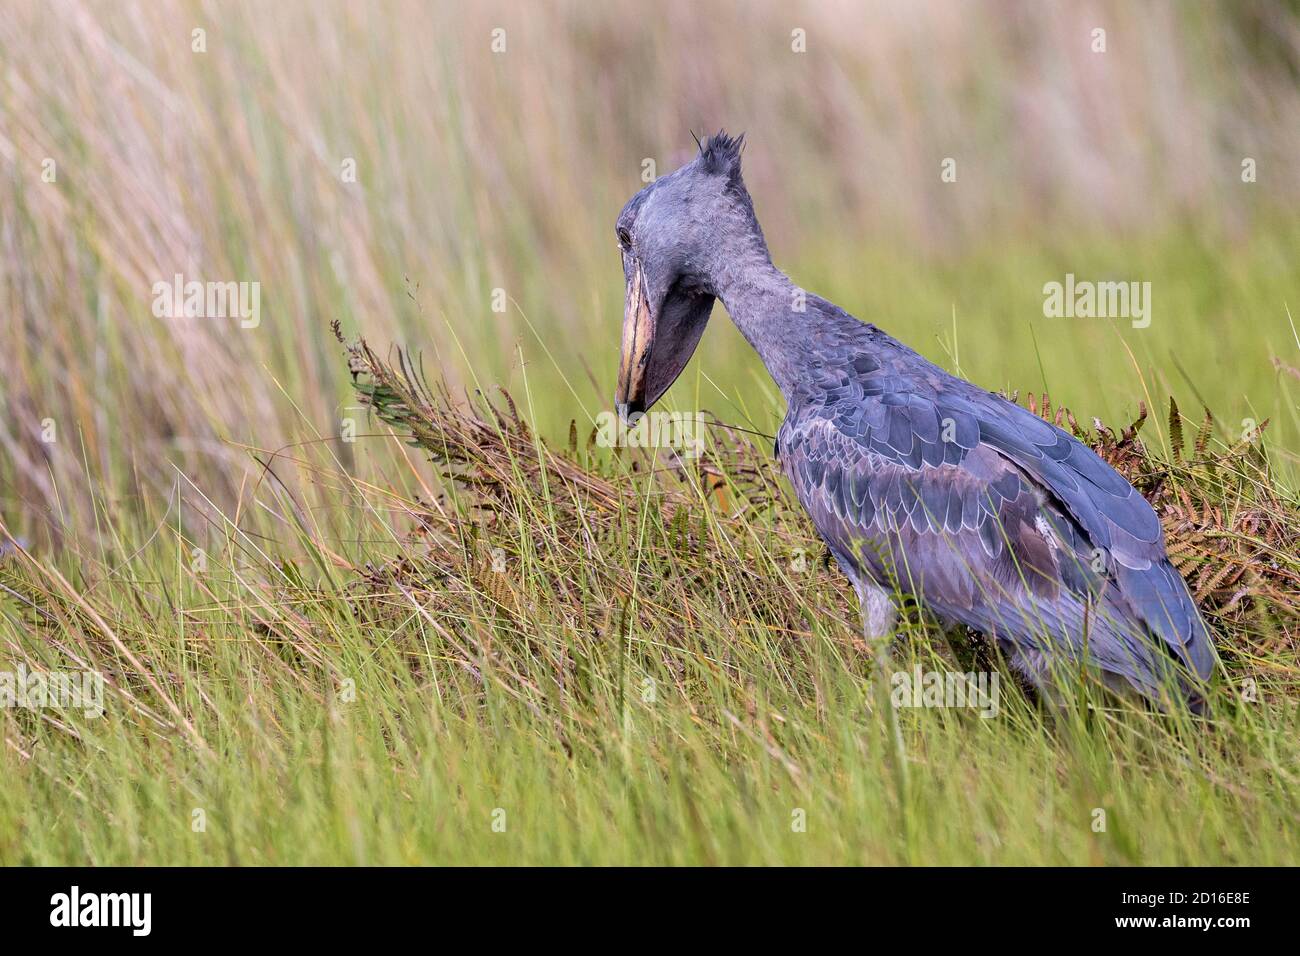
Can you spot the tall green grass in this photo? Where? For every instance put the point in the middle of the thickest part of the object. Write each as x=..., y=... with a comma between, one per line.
x=562, y=657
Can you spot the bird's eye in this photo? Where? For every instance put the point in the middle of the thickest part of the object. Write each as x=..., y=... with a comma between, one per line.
x=624, y=239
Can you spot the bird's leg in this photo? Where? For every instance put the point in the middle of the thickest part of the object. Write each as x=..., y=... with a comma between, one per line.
x=879, y=615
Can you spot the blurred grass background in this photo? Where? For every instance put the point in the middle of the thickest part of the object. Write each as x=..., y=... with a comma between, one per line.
x=479, y=170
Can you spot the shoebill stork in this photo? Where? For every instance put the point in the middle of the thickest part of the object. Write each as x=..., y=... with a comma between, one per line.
x=920, y=483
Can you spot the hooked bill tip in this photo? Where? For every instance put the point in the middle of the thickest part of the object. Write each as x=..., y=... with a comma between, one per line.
x=627, y=411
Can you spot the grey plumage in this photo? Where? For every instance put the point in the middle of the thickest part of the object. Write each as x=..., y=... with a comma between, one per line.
x=918, y=481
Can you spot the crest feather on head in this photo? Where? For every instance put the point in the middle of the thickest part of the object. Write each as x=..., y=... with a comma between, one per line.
x=720, y=154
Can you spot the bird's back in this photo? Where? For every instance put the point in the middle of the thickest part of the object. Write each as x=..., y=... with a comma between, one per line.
x=996, y=518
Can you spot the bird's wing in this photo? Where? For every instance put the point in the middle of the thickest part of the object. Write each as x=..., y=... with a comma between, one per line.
x=996, y=517
x=1114, y=516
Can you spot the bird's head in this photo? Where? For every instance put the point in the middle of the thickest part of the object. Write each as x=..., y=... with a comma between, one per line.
x=680, y=237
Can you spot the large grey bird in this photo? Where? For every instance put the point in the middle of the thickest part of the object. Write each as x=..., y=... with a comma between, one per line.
x=920, y=483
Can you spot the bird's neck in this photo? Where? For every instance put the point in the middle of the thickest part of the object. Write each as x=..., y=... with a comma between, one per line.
x=773, y=314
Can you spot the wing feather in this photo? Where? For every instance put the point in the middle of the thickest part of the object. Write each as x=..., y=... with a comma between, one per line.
x=995, y=517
